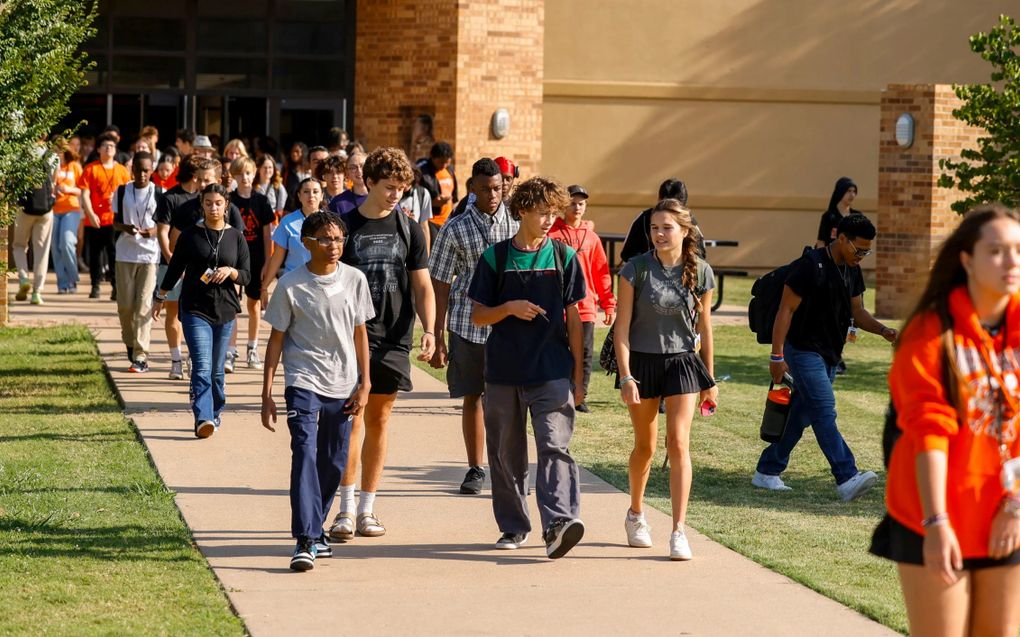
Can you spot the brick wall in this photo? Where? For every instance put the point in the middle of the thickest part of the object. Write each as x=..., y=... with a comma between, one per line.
x=914, y=216
x=458, y=61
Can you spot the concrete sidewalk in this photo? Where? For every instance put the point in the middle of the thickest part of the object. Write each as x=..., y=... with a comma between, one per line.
x=435, y=571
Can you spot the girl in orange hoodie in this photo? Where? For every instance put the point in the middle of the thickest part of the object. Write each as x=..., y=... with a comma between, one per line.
x=953, y=522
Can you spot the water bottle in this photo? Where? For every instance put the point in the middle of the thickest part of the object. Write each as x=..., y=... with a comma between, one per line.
x=777, y=410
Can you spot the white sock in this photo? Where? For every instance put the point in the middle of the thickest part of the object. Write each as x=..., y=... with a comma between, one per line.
x=365, y=502
x=253, y=344
x=232, y=350
x=346, y=498
x=634, y=516
x=175, y=354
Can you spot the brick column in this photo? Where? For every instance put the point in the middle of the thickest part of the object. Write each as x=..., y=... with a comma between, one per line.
x=914, y=216
x=457, y=61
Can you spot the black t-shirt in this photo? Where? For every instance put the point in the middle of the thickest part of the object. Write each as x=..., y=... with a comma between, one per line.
x=639, y=240
x=190, y=212
x=166, y=206
x=827, y=226
x=199, y=248
x=256, y=214
x=520, y=352
x=821, y=321
x=385, y=253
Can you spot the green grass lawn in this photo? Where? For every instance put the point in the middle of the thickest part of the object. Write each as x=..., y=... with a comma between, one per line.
x=807, y=534
x=91, y=542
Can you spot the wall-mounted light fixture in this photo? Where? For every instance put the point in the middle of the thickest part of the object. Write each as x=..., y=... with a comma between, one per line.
x=500, y=125
x=905, y=130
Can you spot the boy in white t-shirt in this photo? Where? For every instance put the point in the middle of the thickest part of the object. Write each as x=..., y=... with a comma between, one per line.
x=137, y=250
x=318, y=313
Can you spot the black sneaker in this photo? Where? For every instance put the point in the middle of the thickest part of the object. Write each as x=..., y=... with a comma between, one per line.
x=94, y=293
x=113, y=294
x=511, y=541
x=131, y=354
x=322, y=547
x=304, y=556
x=473, y=481
x=583, y=408
x=561, y=536
x=205, y=429
x=139, y=367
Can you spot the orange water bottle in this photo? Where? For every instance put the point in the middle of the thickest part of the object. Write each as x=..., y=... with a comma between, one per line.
x=777, y=411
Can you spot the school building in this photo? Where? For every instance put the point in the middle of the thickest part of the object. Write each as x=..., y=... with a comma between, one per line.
x=758, y=105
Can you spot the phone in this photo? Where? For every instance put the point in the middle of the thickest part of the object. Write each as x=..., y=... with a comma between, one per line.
x=707, y=408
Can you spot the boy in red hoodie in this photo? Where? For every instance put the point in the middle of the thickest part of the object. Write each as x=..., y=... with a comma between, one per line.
x=580, y=235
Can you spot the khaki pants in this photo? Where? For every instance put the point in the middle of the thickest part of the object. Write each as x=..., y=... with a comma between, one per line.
x=37, y=230
x=135, y=284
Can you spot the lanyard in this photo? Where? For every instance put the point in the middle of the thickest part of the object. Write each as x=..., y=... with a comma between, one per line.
x=997, y=387
x=215, y=249
x=534, y=261
x=140, y=212
x=482, y=230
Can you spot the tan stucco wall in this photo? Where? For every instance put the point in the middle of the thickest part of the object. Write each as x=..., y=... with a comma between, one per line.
x=758, y=105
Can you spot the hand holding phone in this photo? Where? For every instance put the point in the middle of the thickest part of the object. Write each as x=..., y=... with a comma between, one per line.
x=707, y=408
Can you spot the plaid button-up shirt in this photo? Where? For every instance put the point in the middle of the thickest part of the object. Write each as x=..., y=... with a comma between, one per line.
x=460, y=244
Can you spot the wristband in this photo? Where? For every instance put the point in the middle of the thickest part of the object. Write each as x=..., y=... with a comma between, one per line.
x=157, y=297
x=936, y=520
x=776, y=358
x=429, y=333
x=628, y=378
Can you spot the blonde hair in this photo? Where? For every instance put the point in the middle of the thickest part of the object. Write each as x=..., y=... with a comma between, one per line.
x=240, y=165
x=237, y=145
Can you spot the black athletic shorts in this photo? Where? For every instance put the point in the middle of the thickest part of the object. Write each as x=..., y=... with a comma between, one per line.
x=894, y=541
x=466, y=373
x=253, y=289
x=390, y=371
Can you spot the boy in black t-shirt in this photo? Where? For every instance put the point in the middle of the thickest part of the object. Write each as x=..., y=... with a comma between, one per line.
x=822, y=308
x=527, y=289
x=390, y=250
x=258, y=219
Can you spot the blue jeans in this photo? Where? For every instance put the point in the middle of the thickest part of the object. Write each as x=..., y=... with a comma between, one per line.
x=64, y=248
x=812, y=405
x=207, y=345
x=320, y=437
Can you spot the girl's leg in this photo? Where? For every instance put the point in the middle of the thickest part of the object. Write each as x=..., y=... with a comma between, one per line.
x=934, y=608
x=995, y=601
x=644, y=417
x=679, y=415
x=253, y=319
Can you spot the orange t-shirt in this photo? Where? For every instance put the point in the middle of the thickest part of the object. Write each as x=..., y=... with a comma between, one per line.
x=445, y=179
x=67, y=175
x=974, y=488
x=169, y=182
x=102, y=182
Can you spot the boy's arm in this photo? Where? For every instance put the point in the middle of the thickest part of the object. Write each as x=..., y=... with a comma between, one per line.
x=442, y=294
x=357, y=403
x=272, y=267
x=603, y=280
x=273, y=351
x=575, y=336
x=425, y=301
x=483, y=315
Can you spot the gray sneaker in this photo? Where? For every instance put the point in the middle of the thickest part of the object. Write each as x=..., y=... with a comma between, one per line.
x=856, y=486
x=176, y=370
x=253, y=359
x=228, y=363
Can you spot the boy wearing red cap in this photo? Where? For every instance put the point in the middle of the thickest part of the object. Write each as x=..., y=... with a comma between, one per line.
x=580, y=235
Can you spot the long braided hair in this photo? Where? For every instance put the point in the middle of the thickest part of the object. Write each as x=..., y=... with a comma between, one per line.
x=689, y=250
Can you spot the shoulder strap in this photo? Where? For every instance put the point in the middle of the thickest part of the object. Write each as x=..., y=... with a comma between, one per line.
x=120, y=200
x=560, y=259
x=403, y=228
x=640, y=273
x=502, y=252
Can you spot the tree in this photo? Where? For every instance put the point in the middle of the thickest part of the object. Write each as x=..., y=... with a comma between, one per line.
x=991, y=172
x=41, y=67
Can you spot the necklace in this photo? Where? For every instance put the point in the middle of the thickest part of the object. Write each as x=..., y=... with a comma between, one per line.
x=844, y=272
x=214, y=259
x=534, y=261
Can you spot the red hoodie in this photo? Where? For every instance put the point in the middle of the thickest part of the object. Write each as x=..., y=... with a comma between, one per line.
x=592, y=258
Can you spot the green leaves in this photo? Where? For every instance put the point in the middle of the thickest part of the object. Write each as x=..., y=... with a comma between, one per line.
x=41, y=67
x=990, y=172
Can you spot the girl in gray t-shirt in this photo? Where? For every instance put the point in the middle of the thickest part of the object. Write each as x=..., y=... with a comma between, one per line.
x=663, y=340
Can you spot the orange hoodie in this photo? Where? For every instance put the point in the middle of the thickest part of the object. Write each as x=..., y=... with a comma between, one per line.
x=592, y=257
x=974, y=489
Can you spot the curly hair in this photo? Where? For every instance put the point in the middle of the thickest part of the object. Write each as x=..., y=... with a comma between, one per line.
x=388, y=163
x=535, y=192
x=689, y=249
x=332, y=164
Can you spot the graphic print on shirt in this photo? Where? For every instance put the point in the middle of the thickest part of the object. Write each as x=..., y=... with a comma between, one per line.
x=381, y=258
x=670, y=298
x=981, y=395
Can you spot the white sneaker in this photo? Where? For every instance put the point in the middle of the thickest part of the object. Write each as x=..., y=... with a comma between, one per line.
x=856, y=486
x=176, y=370
x=639, y=532
x=253, y=359
x=679, y=547
x=228, y=362
x=772, y=483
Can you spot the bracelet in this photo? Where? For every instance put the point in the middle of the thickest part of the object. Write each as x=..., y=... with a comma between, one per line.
x=429, y=333
x=628, y=378
x=776, y=358
x=936, y=520
x=156, y=296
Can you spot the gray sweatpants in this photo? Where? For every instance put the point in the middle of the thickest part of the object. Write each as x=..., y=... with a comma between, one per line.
x=558, y=488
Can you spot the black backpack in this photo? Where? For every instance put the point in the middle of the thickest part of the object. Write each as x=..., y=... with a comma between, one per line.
x=502, y=253
x=766, y=294
x=39, y=201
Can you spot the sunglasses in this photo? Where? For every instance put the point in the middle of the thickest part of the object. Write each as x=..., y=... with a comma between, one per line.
x=859, y=253
x=325, y=242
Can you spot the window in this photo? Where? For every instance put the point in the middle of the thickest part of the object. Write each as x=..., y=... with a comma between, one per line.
x=227, y=73
x=148, y=71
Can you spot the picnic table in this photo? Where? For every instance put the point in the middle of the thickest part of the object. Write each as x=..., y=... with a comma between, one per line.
x=613, y=241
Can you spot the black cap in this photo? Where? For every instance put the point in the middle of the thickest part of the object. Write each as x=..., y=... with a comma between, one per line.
x=577, y=189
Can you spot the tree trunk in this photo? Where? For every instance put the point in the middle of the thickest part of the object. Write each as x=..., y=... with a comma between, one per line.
x=5, y=254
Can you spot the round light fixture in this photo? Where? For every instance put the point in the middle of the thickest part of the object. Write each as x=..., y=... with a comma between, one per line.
x=500, y=125
x=905, y=130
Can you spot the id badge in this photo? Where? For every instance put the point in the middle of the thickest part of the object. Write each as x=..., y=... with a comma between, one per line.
x=697, y=343
x=1011, y=476
x=207, y=275
x=851, y=334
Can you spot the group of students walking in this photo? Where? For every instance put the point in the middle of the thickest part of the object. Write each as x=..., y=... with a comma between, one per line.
x=506, y=297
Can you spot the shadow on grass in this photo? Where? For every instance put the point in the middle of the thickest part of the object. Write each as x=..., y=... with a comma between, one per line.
x=114, y=543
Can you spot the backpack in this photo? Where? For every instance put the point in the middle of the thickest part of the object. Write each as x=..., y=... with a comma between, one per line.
x=403, y=226
x=39, y=201
x=766, y=295
x=158, y=192
x=502, y=254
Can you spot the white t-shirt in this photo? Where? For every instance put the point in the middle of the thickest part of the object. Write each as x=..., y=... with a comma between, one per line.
x=139, y=210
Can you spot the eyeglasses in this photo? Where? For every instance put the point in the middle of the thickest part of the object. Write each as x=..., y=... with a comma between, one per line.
x=859, y=253
x=325, y=242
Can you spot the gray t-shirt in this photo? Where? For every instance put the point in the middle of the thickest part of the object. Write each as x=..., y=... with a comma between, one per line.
x=318, y=315
x=664, y=320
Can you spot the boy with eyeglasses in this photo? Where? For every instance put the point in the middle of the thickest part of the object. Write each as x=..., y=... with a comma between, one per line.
x=318, y=313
